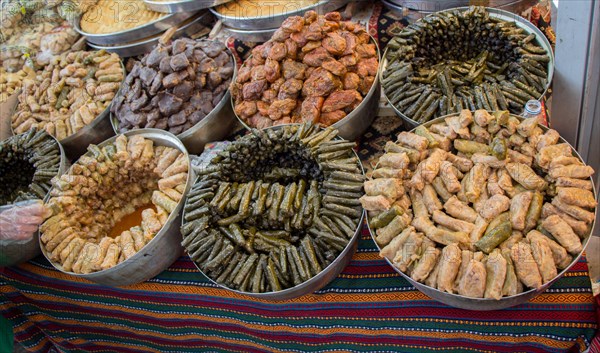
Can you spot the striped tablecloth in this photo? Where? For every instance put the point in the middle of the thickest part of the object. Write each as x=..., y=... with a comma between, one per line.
x=368, y=308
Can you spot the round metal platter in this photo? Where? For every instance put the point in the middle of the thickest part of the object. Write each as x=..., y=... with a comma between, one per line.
x=181, y=5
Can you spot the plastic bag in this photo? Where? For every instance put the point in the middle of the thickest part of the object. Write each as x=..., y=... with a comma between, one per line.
x=21, y=220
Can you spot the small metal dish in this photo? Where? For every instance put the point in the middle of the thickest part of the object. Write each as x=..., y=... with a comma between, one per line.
x=275, y=20
x=353, y=125
x=130, y=35
x=322, y=278
x=172, y=6
x=163, y=249
x=215, y=126
x=502, y=15
x=486, y=304
x=190, y=27
x=16, y=252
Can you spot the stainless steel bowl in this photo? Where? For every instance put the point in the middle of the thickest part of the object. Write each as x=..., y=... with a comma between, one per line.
x=251, y=35
x=163, y=249
x=133, y=34
x=215, y=126
x=353, y=125
x=486, y=304
x=275, y=20
x=322, y=278
x=16, y=252
x=172, y=6
x=502, y=15
x=192, y=26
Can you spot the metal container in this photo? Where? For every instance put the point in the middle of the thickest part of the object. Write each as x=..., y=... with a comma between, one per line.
x=192, y=26
x=215, y=126
x=322, y=278
x=275, y=20
x=130, y=35
x=172, y=6
x=430, y=6
x=529, y=28
x=16, y=252
x=486, y=304
x=163, y=249
x=6, y=109
x=353, y=125
x=255, y=35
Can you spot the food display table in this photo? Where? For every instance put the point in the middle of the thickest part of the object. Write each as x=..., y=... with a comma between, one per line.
x=367, y=308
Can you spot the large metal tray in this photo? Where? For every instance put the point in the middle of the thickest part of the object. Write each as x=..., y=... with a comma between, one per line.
x=274, y=21
x=173, y=6
x=353, y=125
x=507, y=16
x=486, y=304
x=190, y=27
x=215, y=126
x=163, y=249
x=130, y=35
x=429, y=6
x=323, y=278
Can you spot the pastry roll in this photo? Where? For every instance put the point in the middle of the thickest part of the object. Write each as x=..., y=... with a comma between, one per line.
x=488, y=160
x=112, y=256
x=440, y=188
x=390, y=250
x=394, y=160
x=449, y=266
x=407, y=254
x=525, y=265
x=576, y=197
x=519, y=206
x=413, y=140
x=493, y=187
x=449, y=177
x=574, y=211
x=438, y=235
x=418, y=205
x=172, y=181
x=179, y=166
x=494, y=206
x=443, y=219
x=83, y=254
x=430, y=198
x=55, y=255
x=465, y=258
x=459, y=123
x=505, y=182
x=542, y=254
x=167, y=158
x=395, y=227
x=388, y=173
x=431, y=280
x=548, y=153
x=127, y=245
x=458, y=209
x=56, y=239
x=92, y=257
x=70, y=254
x=579, y=227
x=526, y=127
x=426, y=264
x=534, y=211
x=482, y=117
x=477, y=178
x=561, y=161
x=481, y=225
x=551, y=137
x=585, y=184
x=391, y=188
x=518, y=157
x=461, y=163
x=103, y=249
x=162, y=200
x=138, y=235
x=512, y=285
x=561, y=258
x=525, y=176
x=375, y=203
x=514, y=238
x=572, y=171
x=563, y=233
x=173, y=194
x=495, y=267
x=472, y=284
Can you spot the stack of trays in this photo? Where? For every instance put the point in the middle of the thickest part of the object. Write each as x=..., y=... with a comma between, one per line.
x=138, y=30
x=257, y=21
